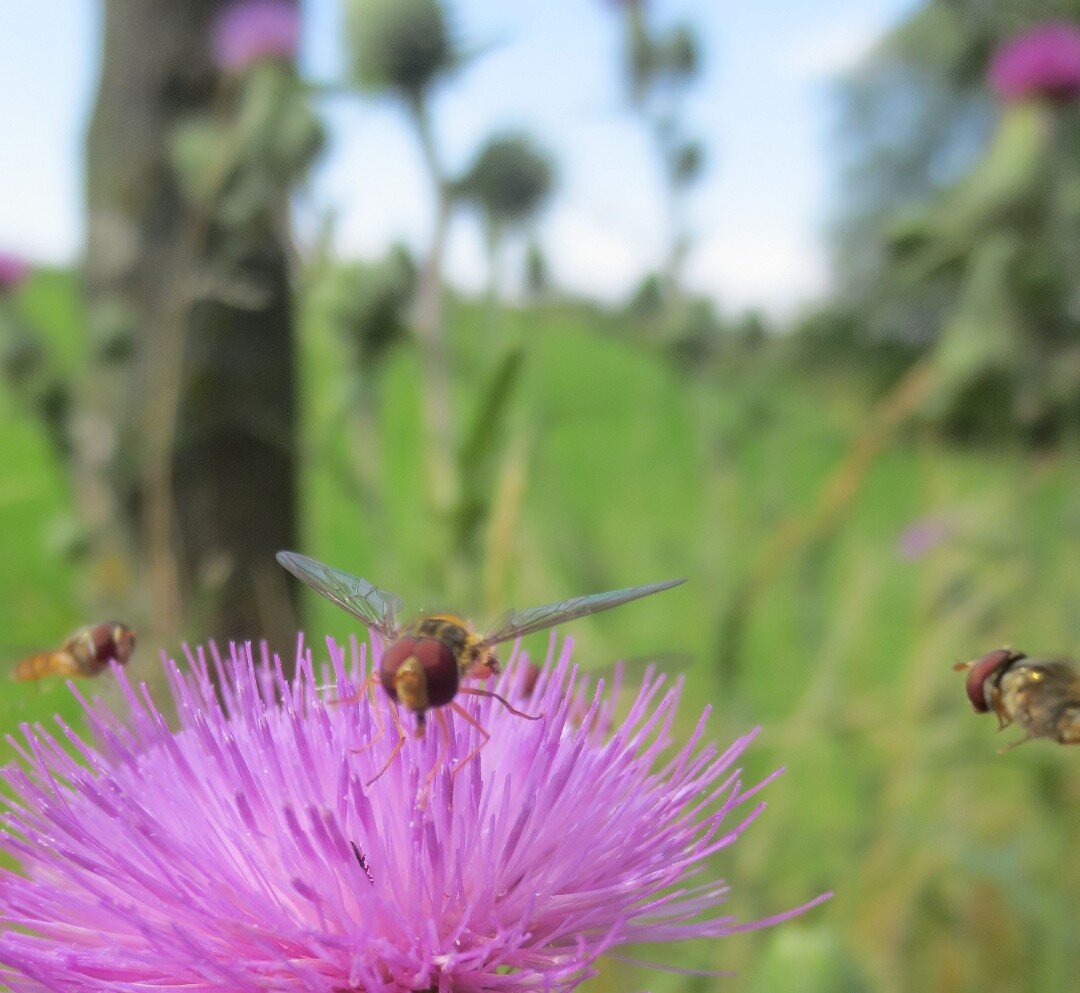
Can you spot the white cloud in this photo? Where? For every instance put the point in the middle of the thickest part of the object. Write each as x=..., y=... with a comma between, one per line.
x=777, y=270
x=835, y=50
x=592, y=257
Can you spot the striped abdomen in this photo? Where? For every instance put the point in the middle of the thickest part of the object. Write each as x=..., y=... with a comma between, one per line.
x=41, y=664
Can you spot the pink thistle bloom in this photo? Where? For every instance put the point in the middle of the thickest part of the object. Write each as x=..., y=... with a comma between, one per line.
x=252, y=31
x=922, y=537
x=1042, y=62
x=243, y=852
x=14, y=271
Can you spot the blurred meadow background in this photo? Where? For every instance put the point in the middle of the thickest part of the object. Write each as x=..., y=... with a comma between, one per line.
x=494, y=304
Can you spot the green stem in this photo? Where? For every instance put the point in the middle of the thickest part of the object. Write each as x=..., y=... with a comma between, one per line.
x=430, y=333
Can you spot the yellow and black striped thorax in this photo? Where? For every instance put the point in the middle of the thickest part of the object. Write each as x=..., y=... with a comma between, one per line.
x=453, y=631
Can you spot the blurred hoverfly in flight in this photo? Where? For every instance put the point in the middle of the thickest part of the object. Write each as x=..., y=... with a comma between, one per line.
x=85, y=652
x=425, y=660
x=1040, y=695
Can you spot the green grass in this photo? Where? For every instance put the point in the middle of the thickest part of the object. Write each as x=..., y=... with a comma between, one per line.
x=954, y=868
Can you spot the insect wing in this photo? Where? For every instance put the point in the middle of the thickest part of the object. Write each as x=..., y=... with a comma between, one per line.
x=518, y=623
x=1060, y=679
x=377, y=608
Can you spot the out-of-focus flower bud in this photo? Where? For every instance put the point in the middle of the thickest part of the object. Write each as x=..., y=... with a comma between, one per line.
x=510, y=179
x=402, y=45
x=687, y=161
x=254, y=31
x=1043, y=62
x=682, y=55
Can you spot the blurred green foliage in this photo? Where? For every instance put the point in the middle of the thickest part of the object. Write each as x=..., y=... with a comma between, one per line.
x=953, y=868
x=236, y=165
x=960, y=231
x=659, y=65
x=537, y=272
x=369, y=303
x=656, y=58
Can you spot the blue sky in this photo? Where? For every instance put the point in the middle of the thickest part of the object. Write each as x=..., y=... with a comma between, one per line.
x=764, y=108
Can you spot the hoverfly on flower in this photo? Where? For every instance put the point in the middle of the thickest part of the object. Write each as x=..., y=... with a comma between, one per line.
x=426, y=659
x=1041, y=695
x=85, y=652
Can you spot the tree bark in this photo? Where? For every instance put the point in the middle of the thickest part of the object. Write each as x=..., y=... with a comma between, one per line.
x=186, y=434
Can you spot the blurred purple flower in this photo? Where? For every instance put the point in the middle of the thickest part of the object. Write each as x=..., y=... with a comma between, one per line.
x=922, y=537
x=13, y=272
x=1042, y=62
x=253, y=31
x=243, y=853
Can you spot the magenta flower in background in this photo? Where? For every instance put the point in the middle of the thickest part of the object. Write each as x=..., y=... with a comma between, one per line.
x=253, y=31
x=13, y=272
x=244, y=853
x=1042, y=62
x=922, y=537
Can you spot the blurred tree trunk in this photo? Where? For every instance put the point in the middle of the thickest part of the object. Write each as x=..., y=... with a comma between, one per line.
x=186, y=434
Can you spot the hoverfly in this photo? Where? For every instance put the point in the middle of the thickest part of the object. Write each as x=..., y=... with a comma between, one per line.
x=425, y=659
x=85, y=652
x=1041, y=695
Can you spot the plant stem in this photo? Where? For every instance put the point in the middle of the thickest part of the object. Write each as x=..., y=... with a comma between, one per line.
x=430, y=333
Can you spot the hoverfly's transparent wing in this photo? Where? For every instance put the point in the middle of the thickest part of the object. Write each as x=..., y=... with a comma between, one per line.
x=1062, y=676
x=377, y=608
x=518, y=623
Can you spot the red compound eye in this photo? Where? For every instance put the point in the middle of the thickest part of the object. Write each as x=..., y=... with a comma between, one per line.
x=982, y=669
x=437, y=661
x=112, y=642
x=441, y=668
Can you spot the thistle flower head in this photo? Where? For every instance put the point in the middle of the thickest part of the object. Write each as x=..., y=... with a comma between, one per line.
x=14, y=271
x=1041, y=62
x=244, y=852
x=249, y=32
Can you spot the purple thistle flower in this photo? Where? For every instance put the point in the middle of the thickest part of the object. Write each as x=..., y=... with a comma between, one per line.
x=252, y=31
x=1041, y=62
x=243, y=853
x=922, y=537
x=14, y=271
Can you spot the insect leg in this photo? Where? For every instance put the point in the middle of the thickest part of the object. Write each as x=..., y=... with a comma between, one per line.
x=402, y=738
x=370, y=684
x=1016, y=744
x=476, y=691
x=446, y=740
x=998, y=706
x=366, y=687
x=466, y=716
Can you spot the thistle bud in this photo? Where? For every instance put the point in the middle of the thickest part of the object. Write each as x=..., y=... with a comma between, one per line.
x=402, y=45
x=510, y=179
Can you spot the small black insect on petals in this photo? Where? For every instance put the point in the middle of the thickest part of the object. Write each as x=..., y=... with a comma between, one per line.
x=363, y=861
